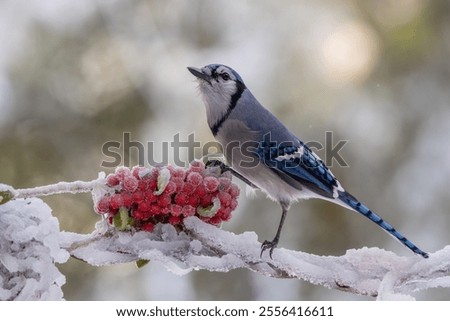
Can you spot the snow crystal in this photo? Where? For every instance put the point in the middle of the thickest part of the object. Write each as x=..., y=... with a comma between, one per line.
x=100, y=188
x=169, y=232
x=196, y=246
x=30, y=246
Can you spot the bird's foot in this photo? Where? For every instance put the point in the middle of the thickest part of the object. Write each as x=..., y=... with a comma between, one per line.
x=269, y=245
x=225, y=168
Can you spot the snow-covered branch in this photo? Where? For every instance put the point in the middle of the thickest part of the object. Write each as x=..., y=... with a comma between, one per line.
x=171, y=216
x=58, y=188
x=29, y=249
x=368, y=271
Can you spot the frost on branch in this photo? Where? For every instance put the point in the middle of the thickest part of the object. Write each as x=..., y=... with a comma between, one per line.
x=29, y=247
x=171, y=216
x=371, y=272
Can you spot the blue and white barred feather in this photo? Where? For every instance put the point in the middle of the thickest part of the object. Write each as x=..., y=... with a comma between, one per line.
x=300, y=163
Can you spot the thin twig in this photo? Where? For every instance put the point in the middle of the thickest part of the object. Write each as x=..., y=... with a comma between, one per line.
x=58, y=188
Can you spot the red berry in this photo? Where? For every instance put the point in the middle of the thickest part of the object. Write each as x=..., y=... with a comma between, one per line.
x=148, y=227
x=152, y=184
x=164, y=201
x=176, y=209
x=151, y=179
x=178, y=172
x=154, y=173
x=122, y=172
x=155, y=210
x=112, y=180
x=112, y=211
x=226, y=214
x=233, y=204
x=200, y=191
x=197, y=166
x=130, y=184
x=225, y=199
x=181, y=199
x=211, y=183
x=193, y=200
x=188, y=210
x=215, y=220
x=138, y=197
x=135, y=171
x=142, y=185
x=188, y=188
x=171, y=168
x=103, y=205
x=116, y=201
x=234, y=191
x=174, y=220
x=127, y=199
x=194, y=178
x=224, y=183
x=171, y=188
x=139, y=215
x=179, y=183
x=206, y=200
x=144, y=207
x=150, y=197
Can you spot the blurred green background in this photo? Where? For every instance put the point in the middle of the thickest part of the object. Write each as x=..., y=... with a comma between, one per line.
x=76, y=74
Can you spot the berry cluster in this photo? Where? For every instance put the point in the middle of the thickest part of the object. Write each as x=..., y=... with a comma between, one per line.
x=142, y=197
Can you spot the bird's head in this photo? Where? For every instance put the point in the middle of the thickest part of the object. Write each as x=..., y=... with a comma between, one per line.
x=220, y=87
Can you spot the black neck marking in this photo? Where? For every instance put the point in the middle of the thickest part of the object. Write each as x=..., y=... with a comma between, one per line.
x=233, y=102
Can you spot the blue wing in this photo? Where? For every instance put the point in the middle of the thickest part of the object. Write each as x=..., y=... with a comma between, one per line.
x=297, y=165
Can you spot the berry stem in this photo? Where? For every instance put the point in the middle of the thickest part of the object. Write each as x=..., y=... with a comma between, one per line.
x=58, y=188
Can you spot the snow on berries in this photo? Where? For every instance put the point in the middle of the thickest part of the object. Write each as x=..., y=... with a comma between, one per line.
x=142, y=197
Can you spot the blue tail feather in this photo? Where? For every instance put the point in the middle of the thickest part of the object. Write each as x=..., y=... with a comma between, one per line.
x=364, y=210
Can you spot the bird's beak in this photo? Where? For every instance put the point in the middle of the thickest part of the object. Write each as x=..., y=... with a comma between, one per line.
x=199, y=74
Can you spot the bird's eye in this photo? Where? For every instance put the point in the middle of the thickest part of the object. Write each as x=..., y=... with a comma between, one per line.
x=225, y=76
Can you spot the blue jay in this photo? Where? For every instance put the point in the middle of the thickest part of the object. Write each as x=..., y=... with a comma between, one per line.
x=266, y=154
